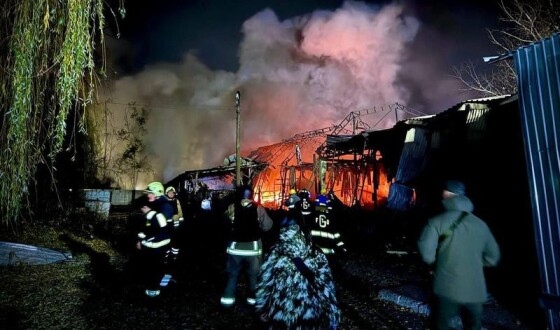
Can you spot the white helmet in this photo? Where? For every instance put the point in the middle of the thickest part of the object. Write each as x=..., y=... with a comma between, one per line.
x=205, y=204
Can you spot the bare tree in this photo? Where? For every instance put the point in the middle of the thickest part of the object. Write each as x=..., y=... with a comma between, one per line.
x=499, y=81
x=133, y=160
x=117, y=151
x=523, y=22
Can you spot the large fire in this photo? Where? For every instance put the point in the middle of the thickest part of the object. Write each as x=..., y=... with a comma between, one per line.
x=352, y=184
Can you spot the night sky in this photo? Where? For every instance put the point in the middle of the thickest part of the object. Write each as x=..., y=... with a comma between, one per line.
x=165, y=31
x=300, y=66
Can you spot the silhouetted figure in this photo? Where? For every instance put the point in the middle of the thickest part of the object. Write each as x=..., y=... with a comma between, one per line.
x=459, y=245
x=244, y=250
x=154, y=239
x=296, y=289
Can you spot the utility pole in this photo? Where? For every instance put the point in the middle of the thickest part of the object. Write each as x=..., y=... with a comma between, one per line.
x=237, y=147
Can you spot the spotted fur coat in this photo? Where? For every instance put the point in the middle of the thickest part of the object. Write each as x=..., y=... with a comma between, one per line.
x=285, y=295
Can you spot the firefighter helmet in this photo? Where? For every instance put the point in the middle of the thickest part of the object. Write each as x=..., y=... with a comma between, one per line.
x=155, y=188
x=205, y=204
x=170, y=188
x=304, y=194
x=292, y=191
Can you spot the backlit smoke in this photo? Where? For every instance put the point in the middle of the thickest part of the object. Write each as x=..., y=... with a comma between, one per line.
x=296, y=75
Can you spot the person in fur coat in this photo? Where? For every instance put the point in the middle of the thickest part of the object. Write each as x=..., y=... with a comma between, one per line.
x=295, y=288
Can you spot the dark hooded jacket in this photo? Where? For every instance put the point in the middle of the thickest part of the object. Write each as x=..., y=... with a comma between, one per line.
x=461, y=256
x=291, y=299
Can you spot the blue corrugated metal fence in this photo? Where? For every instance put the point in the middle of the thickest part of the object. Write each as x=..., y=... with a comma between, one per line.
x=538, y=73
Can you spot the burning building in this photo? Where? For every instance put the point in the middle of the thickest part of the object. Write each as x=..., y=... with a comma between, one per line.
x=374, y=168
x=358, y=168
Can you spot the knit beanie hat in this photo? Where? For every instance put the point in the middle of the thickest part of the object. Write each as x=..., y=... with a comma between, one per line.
x=454, y=186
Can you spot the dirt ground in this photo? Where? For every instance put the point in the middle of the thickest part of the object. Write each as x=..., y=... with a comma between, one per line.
x=100, y=287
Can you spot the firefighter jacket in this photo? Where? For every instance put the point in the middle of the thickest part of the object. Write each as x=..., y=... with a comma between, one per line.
x=306, y=204
x=324, y=229
x=460, y=257
x=307, y=210
x=248, y=220
x=156, y=232
x=177, y=218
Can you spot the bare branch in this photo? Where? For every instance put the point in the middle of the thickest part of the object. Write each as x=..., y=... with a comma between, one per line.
x=524, y=21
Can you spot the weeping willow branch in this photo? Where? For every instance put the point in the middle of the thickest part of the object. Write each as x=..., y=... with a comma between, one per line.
x=47, y=71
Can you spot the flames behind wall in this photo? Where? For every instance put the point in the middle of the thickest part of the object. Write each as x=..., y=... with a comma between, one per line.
x=365, y=184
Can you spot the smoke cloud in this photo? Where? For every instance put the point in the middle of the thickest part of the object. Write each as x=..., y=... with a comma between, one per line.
x=295, y=75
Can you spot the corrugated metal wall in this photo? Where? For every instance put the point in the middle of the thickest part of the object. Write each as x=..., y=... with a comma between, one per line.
x=538, y=73
x=411, y=164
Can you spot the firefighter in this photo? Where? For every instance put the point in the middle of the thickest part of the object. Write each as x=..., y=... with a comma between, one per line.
x=288, y=203
x=244, y=249
x=324, y=230
x=154, y=240
x=174, y=223
x=306, y=206
x=171, y=195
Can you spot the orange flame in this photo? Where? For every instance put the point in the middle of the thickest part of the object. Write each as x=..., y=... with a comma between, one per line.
x=367, y=185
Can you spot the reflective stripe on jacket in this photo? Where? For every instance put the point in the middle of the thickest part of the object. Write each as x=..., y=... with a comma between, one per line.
x=154, y=245
x=156, y=230
x=253, y=248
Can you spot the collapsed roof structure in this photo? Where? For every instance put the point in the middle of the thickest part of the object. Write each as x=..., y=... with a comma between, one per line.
x=306, y=160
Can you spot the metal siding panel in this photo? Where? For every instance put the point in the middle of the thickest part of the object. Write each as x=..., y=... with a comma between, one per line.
x=413, y=157
x=476, y=124
x=411, y=164
x=537, y=67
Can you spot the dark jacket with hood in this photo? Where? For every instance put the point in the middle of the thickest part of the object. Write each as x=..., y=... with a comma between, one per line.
x=290, y=299
x=461, y=256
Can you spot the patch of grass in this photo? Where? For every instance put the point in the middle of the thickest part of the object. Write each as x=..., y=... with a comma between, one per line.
x=51, y=296
x=42, y=297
